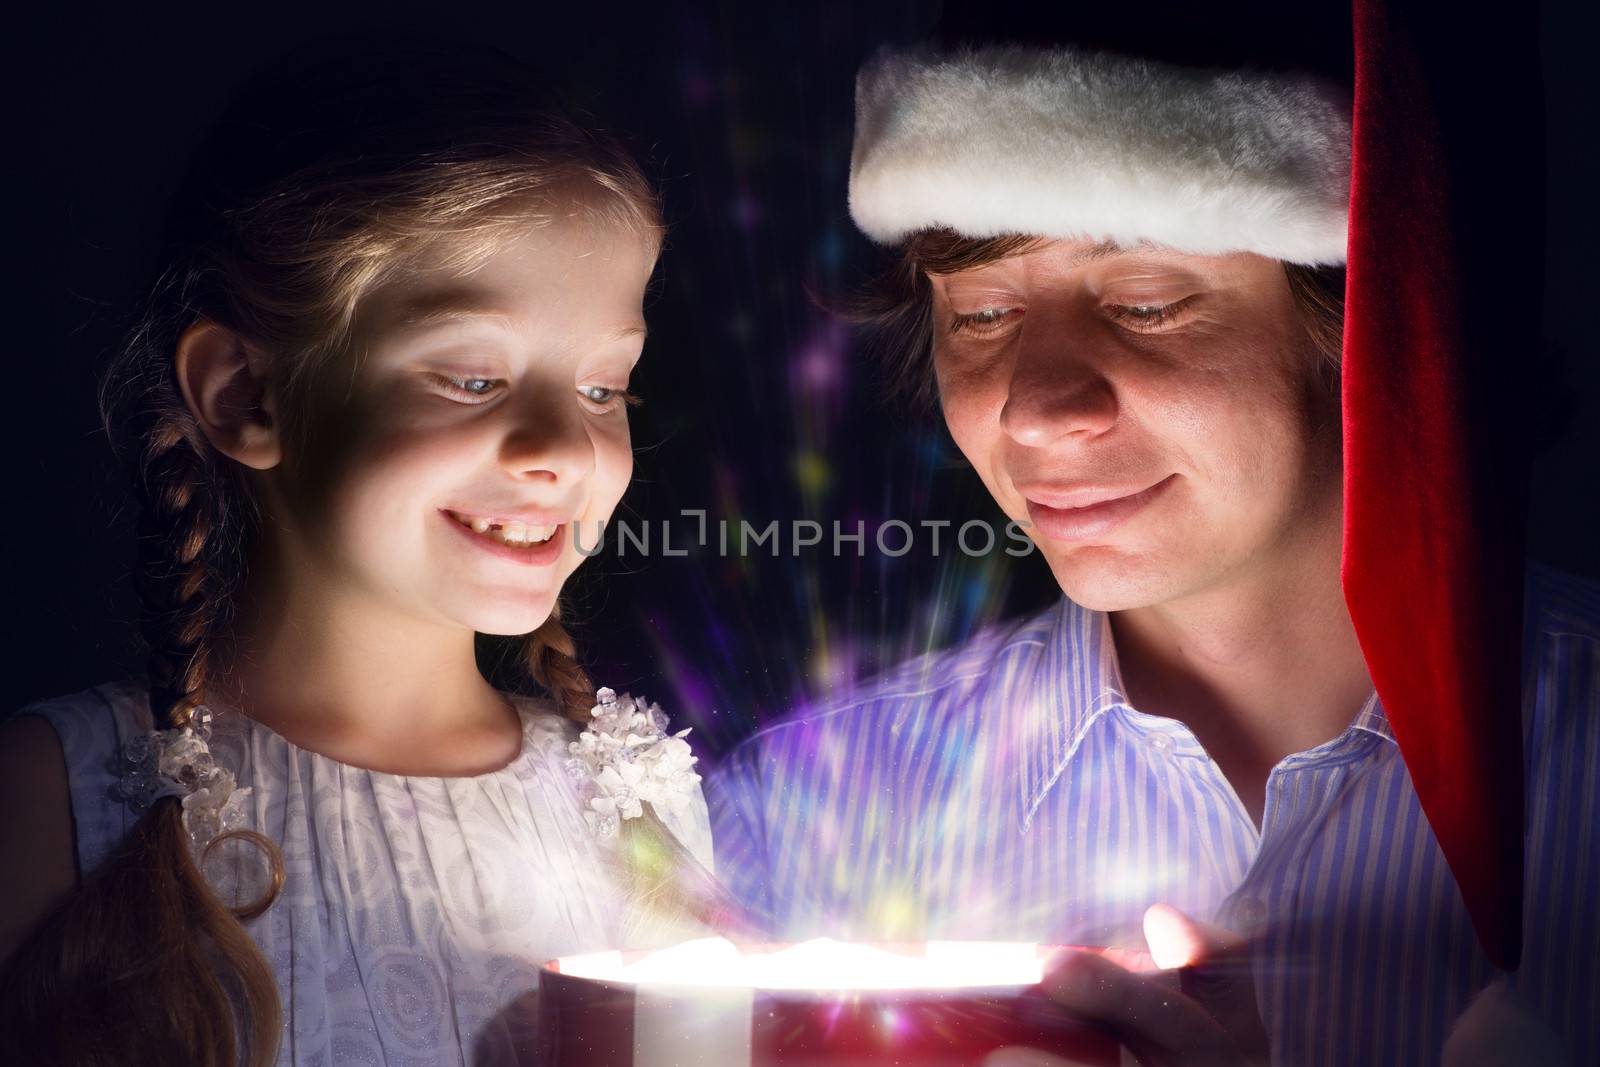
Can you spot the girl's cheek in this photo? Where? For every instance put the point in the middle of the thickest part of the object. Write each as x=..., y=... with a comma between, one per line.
x=613, y=467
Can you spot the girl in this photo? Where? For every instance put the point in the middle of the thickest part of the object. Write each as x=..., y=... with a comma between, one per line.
x=377, y=397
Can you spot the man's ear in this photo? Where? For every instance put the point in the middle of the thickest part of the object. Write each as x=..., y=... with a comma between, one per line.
x=220, y=379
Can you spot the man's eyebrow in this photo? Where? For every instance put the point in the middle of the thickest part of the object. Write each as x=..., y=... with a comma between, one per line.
x=1106, y=249
x=1103, y=250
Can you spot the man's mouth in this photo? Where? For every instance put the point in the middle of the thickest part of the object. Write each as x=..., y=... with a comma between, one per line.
x=1084, y=514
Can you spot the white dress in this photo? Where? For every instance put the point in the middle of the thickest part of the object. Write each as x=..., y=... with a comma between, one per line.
x=415, y=912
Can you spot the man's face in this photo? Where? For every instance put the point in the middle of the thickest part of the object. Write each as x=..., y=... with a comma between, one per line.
x=1154, y=417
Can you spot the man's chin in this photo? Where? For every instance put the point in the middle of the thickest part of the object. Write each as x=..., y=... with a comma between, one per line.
x=1107, y=579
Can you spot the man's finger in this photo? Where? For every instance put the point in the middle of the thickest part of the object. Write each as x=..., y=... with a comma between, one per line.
x=1176, y=940
x=1158, y=1023
x=1214, y=970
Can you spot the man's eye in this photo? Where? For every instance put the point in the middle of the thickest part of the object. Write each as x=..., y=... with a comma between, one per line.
x=984, y=320
x=1146, y=316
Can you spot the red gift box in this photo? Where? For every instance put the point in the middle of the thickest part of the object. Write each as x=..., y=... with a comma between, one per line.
x=596, y=1016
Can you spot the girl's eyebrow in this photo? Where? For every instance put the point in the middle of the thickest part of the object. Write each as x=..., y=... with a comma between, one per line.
x=455, y=306
x=419, y=323
x=451, y=306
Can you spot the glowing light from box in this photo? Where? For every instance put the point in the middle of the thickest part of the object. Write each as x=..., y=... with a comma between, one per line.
x=822, y=964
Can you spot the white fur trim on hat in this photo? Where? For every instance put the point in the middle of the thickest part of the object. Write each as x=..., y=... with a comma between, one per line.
x=1063, y=143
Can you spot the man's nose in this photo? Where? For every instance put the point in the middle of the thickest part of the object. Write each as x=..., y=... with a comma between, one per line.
x=547, y=439
x=1056, y=392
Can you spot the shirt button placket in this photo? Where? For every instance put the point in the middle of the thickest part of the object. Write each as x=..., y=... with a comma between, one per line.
x=1249, y=916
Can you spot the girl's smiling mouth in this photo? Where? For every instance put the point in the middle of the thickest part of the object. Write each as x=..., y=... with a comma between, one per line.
x=529, y=543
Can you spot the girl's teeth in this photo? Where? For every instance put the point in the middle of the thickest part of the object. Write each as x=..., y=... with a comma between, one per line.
x=516, y=534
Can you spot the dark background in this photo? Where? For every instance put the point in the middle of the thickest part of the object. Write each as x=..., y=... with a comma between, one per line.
x=759, y=404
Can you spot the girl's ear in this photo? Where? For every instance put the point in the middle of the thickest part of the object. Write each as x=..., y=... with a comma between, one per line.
x=220, y=378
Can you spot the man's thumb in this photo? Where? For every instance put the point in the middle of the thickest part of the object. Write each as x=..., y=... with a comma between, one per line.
x=1176, y=940
x=1214, y=970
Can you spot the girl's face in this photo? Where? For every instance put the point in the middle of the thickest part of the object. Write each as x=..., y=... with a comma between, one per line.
x=491, y=397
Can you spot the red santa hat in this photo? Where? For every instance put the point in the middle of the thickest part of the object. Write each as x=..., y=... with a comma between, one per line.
x=1067, y=141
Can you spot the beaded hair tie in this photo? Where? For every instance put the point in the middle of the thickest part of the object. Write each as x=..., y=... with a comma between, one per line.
x=178, y=763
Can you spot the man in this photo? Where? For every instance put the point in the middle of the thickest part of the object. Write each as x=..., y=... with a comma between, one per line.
x=1129, y=275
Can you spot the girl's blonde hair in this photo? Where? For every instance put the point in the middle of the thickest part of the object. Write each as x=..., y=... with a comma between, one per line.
x=331, y=173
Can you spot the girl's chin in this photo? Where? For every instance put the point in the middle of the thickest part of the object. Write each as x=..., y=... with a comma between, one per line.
x=509, y=620
x=510, y=631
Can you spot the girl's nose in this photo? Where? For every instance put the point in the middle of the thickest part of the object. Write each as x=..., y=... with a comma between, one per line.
x=549, y=441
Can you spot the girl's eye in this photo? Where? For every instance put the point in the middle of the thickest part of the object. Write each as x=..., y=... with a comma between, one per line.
x=469, y=387
x=980, y=322
x=1146, y=317
x=603, y=397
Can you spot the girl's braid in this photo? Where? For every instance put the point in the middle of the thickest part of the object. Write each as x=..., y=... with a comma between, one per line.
x=183, y=578
x=669, y=887
x=552, y=659
x=144, y=942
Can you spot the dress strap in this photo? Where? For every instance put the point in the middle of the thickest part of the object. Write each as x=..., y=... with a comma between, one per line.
x=92, y=725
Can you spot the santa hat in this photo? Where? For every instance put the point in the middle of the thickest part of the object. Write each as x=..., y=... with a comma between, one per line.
x=1062, y=142
x=1393, y=179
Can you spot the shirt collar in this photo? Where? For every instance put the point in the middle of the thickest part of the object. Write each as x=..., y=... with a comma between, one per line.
x=1076, y=680
x=1372, y=719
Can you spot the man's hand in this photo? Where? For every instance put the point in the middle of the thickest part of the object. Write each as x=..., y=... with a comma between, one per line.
x=1212, y=1022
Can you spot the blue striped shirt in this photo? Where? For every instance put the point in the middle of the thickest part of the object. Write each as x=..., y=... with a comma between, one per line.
x=1007, y=790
